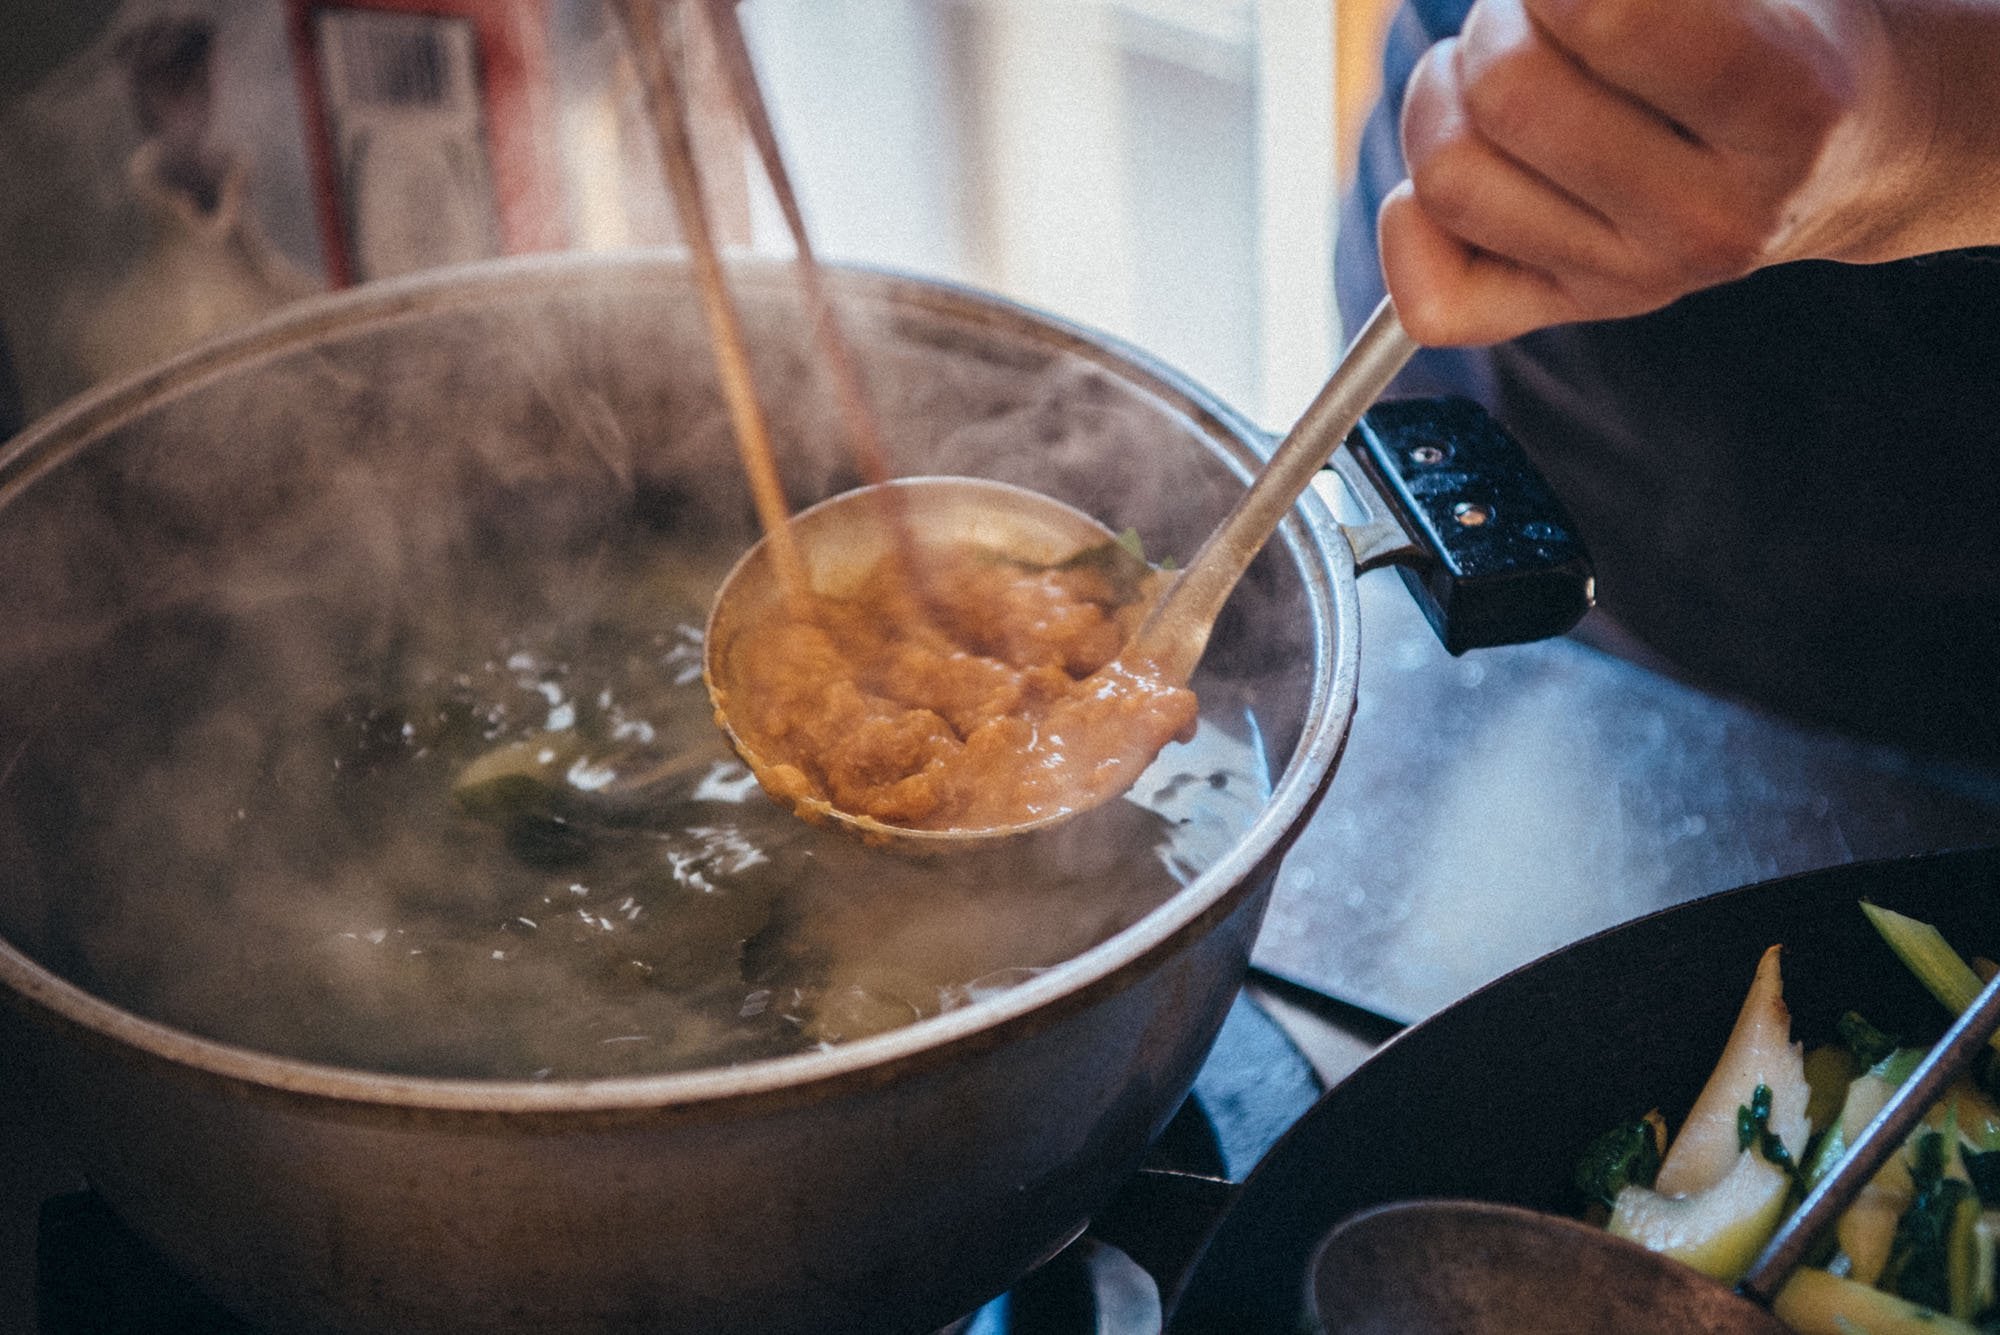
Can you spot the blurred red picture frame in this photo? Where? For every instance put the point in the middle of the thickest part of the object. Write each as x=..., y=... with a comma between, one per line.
x=430, y=128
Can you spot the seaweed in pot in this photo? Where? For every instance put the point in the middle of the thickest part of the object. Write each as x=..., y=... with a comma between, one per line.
x=515, y=846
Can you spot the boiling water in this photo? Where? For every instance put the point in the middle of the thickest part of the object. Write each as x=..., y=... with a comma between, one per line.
x=517, y=847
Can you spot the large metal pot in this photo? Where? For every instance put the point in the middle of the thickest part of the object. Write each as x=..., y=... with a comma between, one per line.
x=885, y=1185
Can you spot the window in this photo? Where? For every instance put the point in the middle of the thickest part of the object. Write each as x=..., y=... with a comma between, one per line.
x=1161, y=169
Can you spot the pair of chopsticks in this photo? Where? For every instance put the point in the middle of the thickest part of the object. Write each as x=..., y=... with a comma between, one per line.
x=656, y=59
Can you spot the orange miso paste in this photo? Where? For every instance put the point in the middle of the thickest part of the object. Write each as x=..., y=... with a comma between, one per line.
x=983, y=692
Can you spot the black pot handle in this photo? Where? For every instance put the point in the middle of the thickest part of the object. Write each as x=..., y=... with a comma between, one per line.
x=1486, y=548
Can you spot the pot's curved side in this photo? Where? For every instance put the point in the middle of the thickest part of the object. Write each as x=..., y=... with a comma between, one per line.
x=895, y=1209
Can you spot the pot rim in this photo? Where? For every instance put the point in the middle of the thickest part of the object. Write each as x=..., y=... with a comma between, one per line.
x=1311, y=536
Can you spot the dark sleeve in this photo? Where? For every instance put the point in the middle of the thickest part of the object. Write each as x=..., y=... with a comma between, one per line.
x=1357, y=269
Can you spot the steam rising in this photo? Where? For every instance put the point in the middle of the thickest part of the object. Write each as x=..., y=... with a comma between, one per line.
x=235, y=630
x=107, y=258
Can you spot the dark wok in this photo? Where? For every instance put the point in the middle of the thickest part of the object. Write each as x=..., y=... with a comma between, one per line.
x=1494, y=1097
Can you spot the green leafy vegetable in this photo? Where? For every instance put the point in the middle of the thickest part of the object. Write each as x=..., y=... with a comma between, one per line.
x=515, y=778
x=1868, y=1044
x=547, y=841
x=1626, y=1155
x=1920, y=1257
x=1984, y=1170
x=1753, y=1128
x=1122, y=562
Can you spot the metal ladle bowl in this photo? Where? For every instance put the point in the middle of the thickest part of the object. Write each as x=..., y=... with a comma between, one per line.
x=840, y=539
x=839, y=542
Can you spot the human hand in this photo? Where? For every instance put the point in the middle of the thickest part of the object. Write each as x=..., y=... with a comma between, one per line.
x=1592, y=159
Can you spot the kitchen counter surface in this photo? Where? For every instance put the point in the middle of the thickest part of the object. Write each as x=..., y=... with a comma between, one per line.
x=1493, y=807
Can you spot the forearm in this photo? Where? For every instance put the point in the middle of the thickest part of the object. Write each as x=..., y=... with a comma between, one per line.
x=1946, y=55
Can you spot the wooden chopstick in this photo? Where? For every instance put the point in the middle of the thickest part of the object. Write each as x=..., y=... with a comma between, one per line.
x=863, y=430
x=665, y=101
x=906, y=585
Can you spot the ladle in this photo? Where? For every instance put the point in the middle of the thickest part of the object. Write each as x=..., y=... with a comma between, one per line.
x=1476, y=1268
x=834, y=541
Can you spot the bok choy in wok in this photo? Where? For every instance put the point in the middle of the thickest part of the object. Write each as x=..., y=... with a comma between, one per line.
x=1917, y=1250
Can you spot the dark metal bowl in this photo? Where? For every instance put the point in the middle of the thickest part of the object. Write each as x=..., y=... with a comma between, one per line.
x=1496, y=1096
